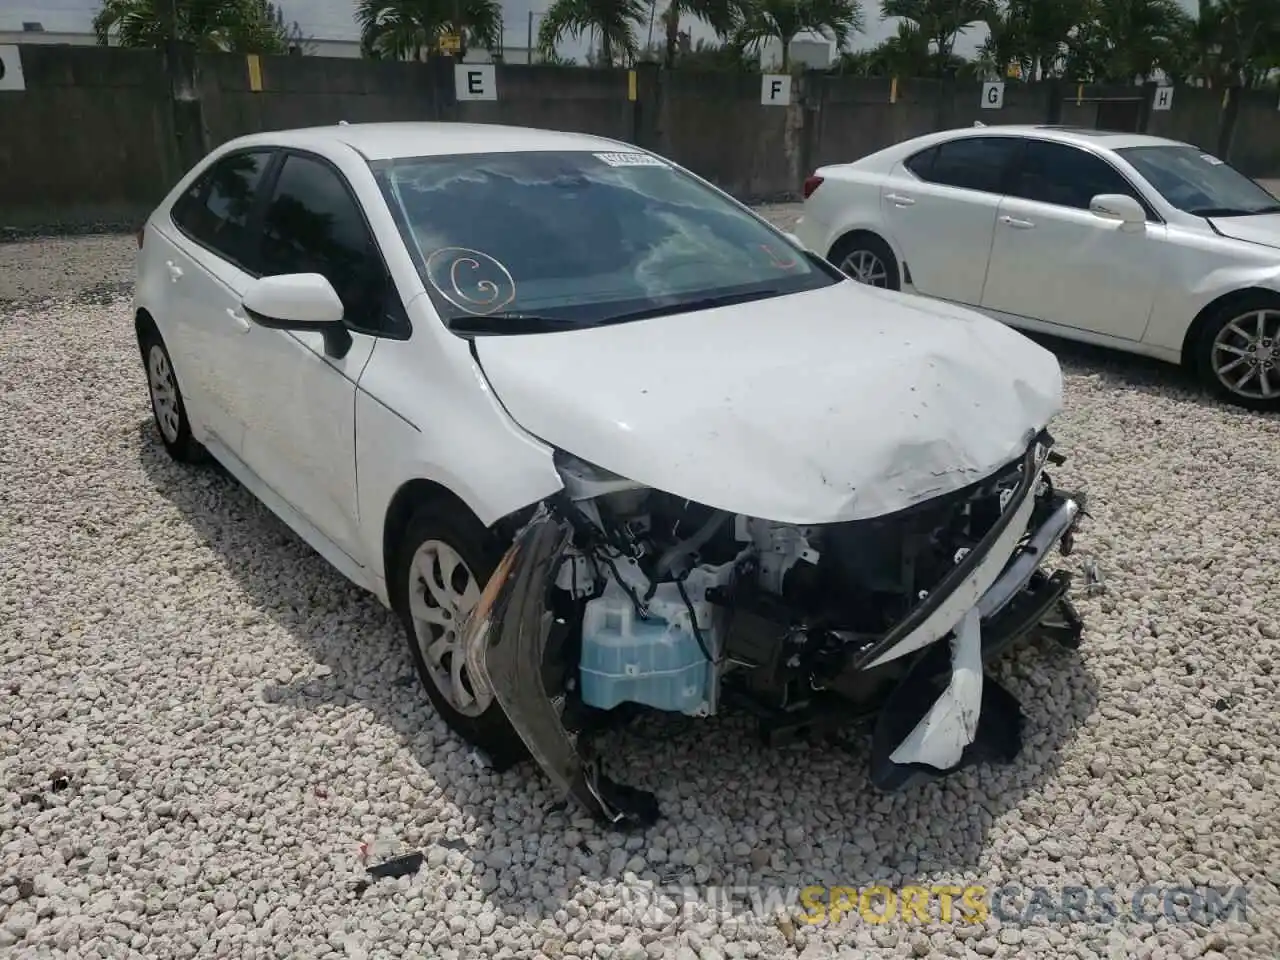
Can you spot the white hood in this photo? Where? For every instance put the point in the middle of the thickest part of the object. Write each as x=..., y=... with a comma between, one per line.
x=1263, y=228
x=836, y=404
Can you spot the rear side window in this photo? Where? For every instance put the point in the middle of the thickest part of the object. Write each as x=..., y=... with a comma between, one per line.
x=972, y=163
x=314, y=225
x=1066, y=176
x=921, y=164
x=215, y=210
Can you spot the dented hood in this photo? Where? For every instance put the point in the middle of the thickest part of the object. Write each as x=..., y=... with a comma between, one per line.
x=835, y=404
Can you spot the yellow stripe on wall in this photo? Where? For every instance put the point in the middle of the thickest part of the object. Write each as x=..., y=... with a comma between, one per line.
x=255, y=72
x=631, y=85
x=893, y=90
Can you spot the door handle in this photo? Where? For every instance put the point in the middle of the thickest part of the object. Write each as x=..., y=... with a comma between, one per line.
x=898, y=200
x=175, y=271
x=241, y=320
x=1016, y=223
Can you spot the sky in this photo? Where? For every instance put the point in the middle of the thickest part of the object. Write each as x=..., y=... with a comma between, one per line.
x=333, y=20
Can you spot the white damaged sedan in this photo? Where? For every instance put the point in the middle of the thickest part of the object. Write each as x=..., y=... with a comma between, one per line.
x=605, y=440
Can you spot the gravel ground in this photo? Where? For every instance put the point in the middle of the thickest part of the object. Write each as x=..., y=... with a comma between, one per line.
x=202, y=722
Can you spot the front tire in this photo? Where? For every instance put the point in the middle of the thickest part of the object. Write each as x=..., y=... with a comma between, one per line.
x=445, y=558
x=167, y=405
x=866, y=258
x=1238, y=353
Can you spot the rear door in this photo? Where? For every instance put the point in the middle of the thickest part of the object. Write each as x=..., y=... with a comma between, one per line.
x=940, y=206
x=210, y=245
x=1055, y=261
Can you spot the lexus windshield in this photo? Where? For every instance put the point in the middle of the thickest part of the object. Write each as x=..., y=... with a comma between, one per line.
x=530, y=241
x=1199, y=183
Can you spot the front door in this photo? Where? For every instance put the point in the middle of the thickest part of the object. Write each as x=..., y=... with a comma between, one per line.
x=1054, y=261
x=300, y=400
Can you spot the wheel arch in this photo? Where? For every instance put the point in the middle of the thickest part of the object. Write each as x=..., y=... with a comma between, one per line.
x=850, y=233
x=1196, y=330
x=144, y=323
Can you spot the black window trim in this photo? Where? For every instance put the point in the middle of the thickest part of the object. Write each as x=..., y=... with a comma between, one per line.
x=1153, y=215
x=401, y=327
x=205, y=181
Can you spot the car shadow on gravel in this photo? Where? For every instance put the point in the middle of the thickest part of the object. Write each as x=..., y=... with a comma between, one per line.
x=773, y=819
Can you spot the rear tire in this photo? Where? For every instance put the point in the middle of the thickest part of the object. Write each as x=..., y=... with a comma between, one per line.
x=445, y=558
x=167, y=405
x=1237, y=354
x=866, y=258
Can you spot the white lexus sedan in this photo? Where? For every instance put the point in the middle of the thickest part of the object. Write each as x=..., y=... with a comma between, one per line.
x=1133, y=242
x=603, y=439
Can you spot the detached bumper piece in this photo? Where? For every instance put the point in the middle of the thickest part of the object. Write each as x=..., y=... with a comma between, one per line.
x=505, y=646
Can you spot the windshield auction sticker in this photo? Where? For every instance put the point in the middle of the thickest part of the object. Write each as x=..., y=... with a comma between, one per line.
x=629, y=159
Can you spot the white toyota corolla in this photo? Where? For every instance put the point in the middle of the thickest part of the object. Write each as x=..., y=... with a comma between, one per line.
x=694, y=464
x=1132, y=242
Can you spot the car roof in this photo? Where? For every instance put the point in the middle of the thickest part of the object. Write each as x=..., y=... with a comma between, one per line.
x=386, y=141
x=1081, y=136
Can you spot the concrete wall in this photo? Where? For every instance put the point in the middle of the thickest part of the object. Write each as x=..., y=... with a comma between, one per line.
x=97, y=135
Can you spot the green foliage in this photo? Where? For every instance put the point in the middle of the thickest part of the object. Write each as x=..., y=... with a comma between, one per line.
x=236, y=26
x=400, y=29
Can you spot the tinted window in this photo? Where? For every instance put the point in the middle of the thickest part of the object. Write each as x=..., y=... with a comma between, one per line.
x=1066, y=176
x=1198, y=182
x=921, y=164
x=975, y=163
x=313, y=225
x=215, y=210
x=581, y=238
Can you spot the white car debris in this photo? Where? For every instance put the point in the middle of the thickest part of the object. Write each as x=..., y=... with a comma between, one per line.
x=603, y=437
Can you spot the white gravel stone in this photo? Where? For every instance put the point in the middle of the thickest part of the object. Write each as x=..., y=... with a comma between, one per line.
x=157, y=801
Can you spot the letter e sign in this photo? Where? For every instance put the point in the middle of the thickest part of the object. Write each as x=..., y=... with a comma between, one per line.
x=475, y=81
x=775, y=89
x=992, y=96
x=11, y=68
x=1163, y=99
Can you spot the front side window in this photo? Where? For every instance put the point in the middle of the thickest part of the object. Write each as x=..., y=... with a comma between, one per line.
x=312, y=224
x=214, y=211
x=1066, y=176
x=972, y=163
x=531, y=241
x=1199, y=183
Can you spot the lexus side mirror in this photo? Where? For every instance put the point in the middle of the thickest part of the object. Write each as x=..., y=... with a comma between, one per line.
x=1117, y=206
x=302, y=302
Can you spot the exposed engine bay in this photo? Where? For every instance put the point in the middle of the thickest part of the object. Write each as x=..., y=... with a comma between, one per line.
x=618, y=596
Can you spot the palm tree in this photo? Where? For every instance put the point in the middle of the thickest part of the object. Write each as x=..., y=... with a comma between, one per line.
x=784, y=20
x=722, y=16
x=940, y=21
x=614, y=21
x=1120, y=41
x=397, y=29
x=237, y=26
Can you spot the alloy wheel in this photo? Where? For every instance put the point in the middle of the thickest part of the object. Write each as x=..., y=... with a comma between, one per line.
x=1246, y=355
x=865, y=267
x=442, y=592
x=164, y=393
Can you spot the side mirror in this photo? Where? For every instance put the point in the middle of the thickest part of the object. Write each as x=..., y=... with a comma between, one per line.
x=299, y=301
x=1117, y=206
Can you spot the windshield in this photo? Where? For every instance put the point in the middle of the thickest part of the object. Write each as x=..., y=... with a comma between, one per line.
x=1199, y=183
x=521, y=242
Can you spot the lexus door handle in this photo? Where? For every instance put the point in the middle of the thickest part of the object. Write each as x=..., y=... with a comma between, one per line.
x=1016, y=223
x=241, y=320
x=898, y=200
x=175, y=271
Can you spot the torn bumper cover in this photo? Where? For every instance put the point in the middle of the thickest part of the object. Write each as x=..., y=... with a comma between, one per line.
x=941, y=715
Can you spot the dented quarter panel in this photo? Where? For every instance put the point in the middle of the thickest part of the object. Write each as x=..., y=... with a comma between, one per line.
x=837, y=404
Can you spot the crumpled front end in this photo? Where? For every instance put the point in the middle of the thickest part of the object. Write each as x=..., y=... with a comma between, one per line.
x=615, y=596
